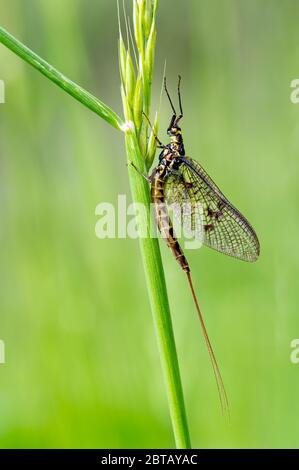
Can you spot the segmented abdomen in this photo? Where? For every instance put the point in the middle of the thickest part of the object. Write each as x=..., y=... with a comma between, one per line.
x=163, y=220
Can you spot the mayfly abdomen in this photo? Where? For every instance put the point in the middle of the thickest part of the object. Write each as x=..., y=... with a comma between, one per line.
x=164, y=223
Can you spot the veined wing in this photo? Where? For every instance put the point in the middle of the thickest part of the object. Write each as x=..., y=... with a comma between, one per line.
x=222, y=226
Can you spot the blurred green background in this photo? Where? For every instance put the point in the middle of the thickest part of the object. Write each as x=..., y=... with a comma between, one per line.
x=82, y=367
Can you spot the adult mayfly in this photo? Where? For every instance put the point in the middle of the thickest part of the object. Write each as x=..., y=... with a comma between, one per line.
x=178, y=179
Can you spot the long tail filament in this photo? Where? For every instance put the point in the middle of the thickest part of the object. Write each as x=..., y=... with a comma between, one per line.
x=219, y=381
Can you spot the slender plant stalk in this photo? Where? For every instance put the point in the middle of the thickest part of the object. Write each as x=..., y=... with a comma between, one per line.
x=157, y=292
x=140, y=148
x=136, y=97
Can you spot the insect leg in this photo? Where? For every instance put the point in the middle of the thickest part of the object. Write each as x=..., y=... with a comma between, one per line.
x=160, y=145
x=146, y=177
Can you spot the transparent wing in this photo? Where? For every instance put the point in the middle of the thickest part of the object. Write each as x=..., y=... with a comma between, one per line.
x=221, y=226
x=185, y=211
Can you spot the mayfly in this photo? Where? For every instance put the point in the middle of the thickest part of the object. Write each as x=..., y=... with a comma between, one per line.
x=178, y=179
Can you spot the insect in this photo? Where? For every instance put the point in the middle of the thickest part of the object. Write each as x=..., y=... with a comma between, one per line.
x=178, y=179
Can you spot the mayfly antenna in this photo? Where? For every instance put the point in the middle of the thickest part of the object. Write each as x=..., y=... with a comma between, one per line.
x=180, y=101
x=168, y=96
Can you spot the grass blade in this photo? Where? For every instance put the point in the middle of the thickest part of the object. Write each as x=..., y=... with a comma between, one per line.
x=73, y=89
